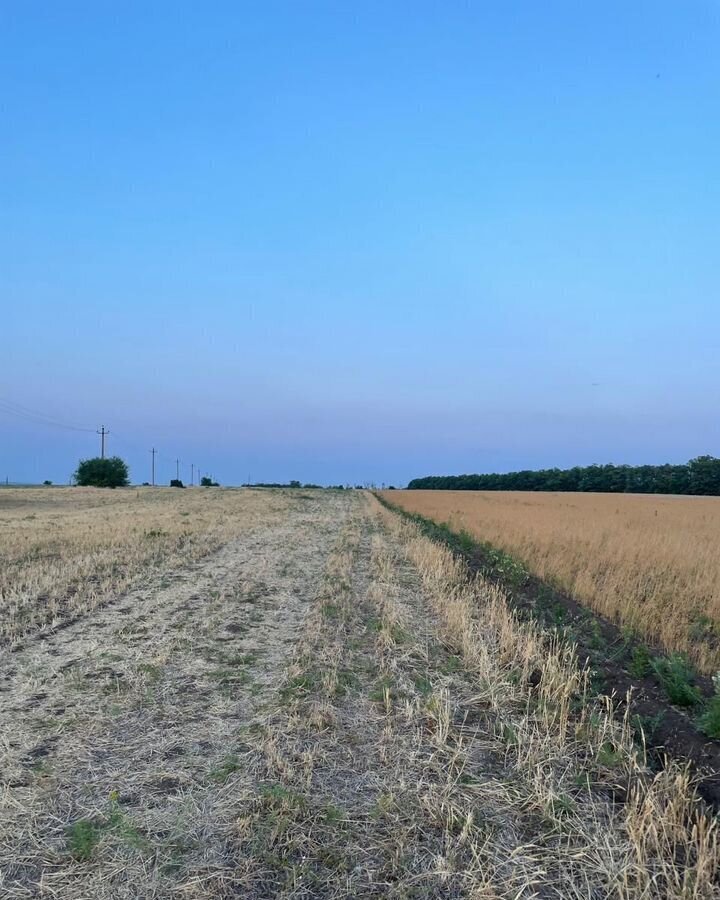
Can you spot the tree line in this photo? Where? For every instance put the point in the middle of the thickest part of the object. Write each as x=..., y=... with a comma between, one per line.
x=698, y=476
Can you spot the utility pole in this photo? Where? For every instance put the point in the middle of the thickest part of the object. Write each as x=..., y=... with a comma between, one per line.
x=192, y=474
x=177, y=469
x=153, y=452
x=102, y=434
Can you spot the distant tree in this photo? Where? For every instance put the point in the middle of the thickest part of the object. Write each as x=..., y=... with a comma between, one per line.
x=205, y=481
x=47, y=483
x=176, y=482
x=704, y=475
x=111, y=472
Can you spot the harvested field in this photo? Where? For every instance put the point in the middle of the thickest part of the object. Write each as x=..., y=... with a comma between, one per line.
x=648, y=562
x=304, y=697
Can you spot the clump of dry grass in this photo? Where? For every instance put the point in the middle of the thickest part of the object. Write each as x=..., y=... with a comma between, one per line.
x=647, y=562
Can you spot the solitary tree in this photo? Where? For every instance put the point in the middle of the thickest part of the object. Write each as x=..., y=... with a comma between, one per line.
x=98, y=472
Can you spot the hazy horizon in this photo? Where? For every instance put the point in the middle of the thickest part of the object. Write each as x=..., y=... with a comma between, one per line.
x=282, y=241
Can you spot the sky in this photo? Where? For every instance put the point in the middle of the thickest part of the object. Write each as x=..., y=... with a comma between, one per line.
x=358, y=242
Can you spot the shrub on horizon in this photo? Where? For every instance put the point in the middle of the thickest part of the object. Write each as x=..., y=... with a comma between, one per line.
x=109, y=472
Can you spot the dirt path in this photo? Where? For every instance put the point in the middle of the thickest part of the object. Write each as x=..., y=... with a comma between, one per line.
x=120, y=730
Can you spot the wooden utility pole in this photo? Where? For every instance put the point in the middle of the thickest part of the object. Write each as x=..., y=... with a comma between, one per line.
x=153, y=452
x=192, y=474
x=177, y=469
x=102, y=434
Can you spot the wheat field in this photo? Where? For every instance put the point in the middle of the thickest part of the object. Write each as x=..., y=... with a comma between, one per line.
x=650, y=563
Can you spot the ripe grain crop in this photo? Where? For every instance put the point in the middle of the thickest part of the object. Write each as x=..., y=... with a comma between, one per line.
x=646, y=562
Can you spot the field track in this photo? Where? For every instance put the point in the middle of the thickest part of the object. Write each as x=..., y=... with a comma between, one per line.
x=320, y=704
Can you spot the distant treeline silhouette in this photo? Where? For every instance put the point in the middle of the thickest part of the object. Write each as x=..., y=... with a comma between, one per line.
x=699, y=476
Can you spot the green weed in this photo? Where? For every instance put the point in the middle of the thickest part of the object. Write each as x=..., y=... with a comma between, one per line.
x=640, y=662
x=82, y=837
x=675, y=675
x=710, y=719
x=221, y=773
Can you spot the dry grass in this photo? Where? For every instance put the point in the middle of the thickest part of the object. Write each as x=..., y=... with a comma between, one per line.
x=647, y=562
x=124, y=733
x=65, y=551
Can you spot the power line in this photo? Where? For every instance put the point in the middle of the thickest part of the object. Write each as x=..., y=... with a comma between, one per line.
x=9, y=407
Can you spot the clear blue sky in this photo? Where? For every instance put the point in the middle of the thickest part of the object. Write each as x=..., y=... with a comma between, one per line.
x=370, y=241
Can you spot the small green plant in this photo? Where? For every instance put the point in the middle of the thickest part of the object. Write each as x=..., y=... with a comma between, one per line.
x=151, y=671
x=300, y=686
x=346, y=680
x=225, y=769
x=676, y=677
x=648, y=725
x=451, y=664
x=423, y=685
x=384, y=687
x=277, y=795
x=710, y=719
x=125, y=830
x=640, y=662
x=560, y=805
x=609, y=756
x=466, y=541
x=333, y=814
x=82, y=838
x=597, y=639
